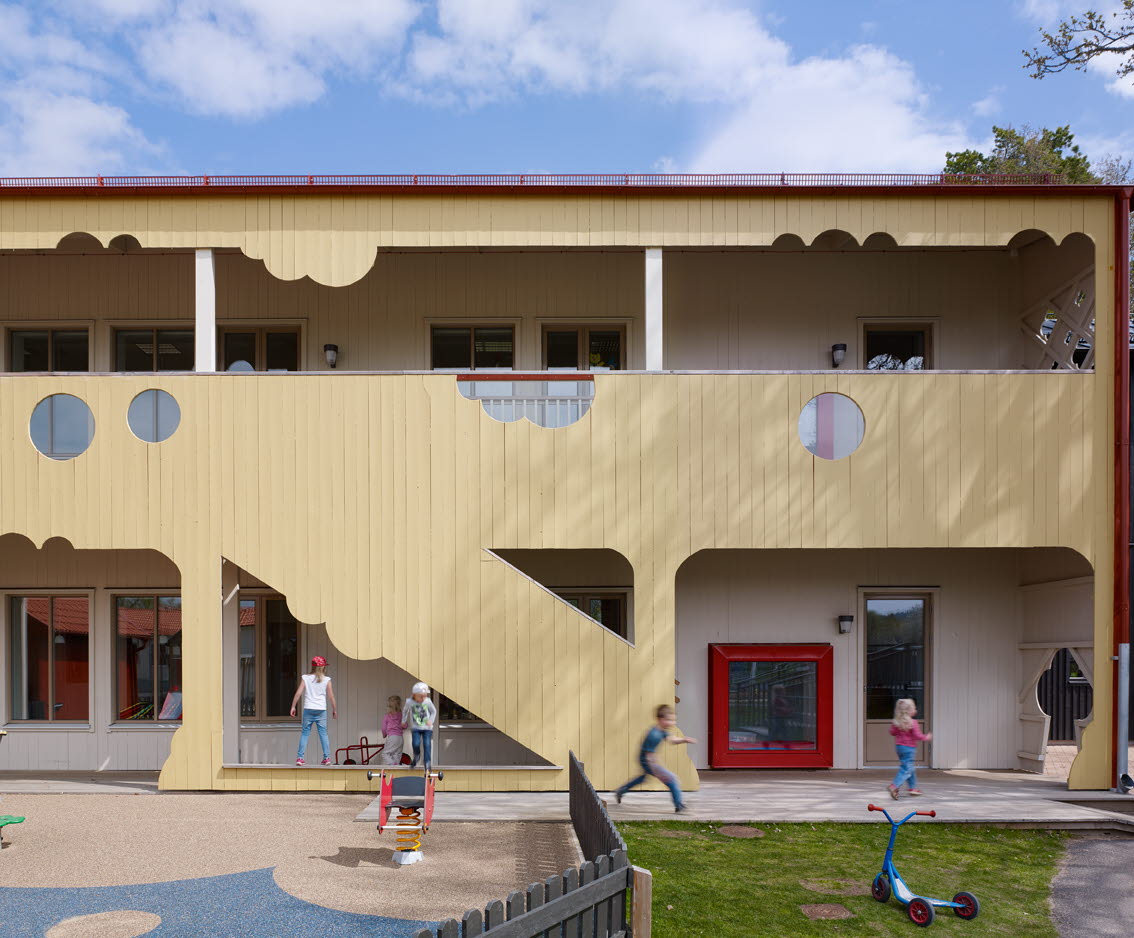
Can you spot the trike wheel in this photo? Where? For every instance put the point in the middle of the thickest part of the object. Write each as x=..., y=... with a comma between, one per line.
x=968, y=906
x=880, y=888
x=920, y=912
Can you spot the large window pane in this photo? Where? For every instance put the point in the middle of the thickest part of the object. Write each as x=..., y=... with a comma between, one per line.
x=895, y=655
x=175, y=350
x=71, y=647
x=239, y=347
x=248, y=658
x=451, y=347
x=281, y=657
x=136, y=620
x=169, y=657
x=772, y=705
x=492, y=348
x=69, y=351
x=282, y=351
x=30, y=351
x=563, y=349
x=49, y=667
x=605, y=350
x=134, y=350
x=31, y=661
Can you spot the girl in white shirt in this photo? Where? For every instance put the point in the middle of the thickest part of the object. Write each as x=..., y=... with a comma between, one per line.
x=316, y=691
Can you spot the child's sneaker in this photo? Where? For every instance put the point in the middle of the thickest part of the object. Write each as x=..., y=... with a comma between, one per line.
x=680, y=809
x=618, y=797
x=894, y=792
x=325, y=762
x=299, y=762
x=916, y=791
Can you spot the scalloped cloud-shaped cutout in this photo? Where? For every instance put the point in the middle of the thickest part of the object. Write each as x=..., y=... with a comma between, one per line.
x=548, y=404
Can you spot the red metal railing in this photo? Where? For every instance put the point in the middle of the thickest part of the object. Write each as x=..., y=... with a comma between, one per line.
x=542, y=179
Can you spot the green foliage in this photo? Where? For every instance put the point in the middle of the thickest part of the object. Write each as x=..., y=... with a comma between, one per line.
x=707, y=884
x=1026, y=150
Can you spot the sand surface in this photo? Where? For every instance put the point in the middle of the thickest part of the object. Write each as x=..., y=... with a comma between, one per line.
x=318, y=851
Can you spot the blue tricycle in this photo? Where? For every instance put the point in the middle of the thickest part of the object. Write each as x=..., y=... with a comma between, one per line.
x=919, y=908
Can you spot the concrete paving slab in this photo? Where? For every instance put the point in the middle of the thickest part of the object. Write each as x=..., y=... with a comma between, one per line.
x=76, y=783
x=958, y=795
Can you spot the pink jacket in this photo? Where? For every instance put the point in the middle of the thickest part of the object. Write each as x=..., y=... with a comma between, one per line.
x=910, y=737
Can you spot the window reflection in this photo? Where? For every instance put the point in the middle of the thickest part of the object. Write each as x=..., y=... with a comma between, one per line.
x=62, y=426
x=895, y=655
x=772, y=705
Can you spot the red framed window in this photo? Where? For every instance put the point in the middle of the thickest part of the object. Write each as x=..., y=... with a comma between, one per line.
x=771, y=706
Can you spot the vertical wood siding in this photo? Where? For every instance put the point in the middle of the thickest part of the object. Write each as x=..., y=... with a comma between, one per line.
x=367, y=500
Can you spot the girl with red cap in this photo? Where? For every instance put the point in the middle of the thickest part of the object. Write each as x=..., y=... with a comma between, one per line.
x=315, y=689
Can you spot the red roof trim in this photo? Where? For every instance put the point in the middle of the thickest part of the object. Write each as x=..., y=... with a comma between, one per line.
x=781, y=183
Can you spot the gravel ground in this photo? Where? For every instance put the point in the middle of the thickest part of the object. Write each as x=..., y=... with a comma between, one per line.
x=311, y=843
x=1091, y=895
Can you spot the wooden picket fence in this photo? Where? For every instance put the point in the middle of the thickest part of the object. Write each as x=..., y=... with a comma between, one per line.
x=585, y=902
x=588, y=902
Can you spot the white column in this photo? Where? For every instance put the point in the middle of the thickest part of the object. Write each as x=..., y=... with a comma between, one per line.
x=654, y=309
x=230, y=663
x=205, y=324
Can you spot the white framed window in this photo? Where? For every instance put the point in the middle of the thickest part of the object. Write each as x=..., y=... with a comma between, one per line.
x=49, y=650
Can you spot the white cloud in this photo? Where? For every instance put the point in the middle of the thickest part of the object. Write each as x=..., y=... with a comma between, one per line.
x=990, y=104
x=51, y=134
x=53, y=120
x=247, y=58
x=863, y=109
x=700, y=50
x=862, y=113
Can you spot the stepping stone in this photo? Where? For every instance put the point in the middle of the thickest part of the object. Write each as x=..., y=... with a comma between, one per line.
x=826, y=910
x=740, y=830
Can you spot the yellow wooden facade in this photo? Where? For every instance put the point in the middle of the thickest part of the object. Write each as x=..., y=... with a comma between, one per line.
x=371, y=501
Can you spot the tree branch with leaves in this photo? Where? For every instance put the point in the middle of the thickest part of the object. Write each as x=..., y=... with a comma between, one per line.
x=1080, y=39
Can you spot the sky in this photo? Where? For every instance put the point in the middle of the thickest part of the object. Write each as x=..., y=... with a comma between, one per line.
x=155, y=87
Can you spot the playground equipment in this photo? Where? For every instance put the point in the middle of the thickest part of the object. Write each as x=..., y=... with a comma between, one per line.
x=412, y=795
x=363, y=747
x=919, y=908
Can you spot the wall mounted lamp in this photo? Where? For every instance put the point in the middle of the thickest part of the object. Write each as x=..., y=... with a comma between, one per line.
x=838, y=353
x=845, y=623
x=331, y=352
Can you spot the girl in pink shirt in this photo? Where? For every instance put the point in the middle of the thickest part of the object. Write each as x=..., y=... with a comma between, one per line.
x=907, y=734
x=392, y=731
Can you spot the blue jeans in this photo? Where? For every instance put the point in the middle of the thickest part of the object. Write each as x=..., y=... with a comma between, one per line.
x=906, y=770
x=317, y=718
x=663, y=775
x=422, y=738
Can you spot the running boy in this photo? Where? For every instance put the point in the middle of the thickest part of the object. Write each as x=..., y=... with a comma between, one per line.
x=648, y=758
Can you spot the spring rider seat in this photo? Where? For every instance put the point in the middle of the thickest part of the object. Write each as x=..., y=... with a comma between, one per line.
x=412, y=795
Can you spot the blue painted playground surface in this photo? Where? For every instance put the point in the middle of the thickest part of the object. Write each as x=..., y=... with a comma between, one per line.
x=239, y=905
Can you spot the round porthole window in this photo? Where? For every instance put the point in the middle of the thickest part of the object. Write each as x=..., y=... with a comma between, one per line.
x=153, y=416
x=62, y=426
x=831, y=426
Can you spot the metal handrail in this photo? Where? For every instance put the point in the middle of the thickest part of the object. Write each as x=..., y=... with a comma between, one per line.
x=536, y=180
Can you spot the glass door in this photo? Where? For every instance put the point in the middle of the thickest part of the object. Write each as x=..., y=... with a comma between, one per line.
x=770, y=705
x=896, y=666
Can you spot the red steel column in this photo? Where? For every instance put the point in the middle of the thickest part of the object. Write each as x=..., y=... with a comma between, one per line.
x=1121, y=455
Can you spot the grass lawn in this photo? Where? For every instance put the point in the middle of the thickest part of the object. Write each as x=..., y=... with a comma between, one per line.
x=708, y=884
